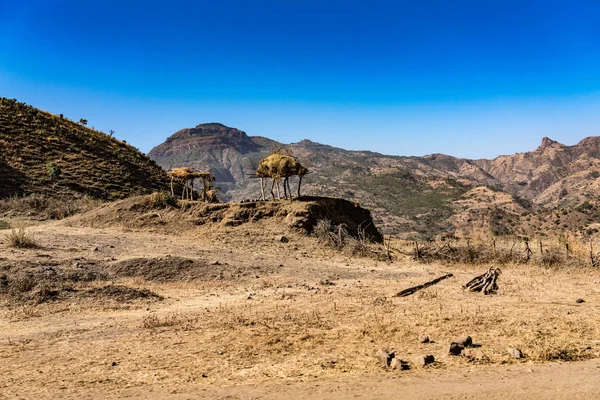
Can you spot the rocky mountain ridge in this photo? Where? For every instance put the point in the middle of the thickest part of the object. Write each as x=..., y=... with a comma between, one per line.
x=410, y=196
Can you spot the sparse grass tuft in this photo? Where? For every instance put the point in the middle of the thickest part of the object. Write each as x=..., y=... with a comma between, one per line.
x=173, y=320
x=20, y=239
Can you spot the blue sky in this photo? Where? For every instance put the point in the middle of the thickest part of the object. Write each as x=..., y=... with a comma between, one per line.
x=468, y=78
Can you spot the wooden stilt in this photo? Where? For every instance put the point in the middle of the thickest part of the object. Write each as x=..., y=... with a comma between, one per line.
x=278, y=191
x=272, y=186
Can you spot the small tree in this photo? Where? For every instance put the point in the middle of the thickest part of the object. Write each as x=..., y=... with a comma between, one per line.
x=83, y=121
x=53, y=170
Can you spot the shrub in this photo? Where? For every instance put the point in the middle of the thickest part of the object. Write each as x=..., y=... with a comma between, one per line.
x=20, y=239
x=54, y=170
x=337, y=236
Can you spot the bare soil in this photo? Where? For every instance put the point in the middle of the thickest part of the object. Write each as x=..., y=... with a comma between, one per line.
x=234, y=312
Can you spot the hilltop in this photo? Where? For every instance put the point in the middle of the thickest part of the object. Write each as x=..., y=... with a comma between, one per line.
x=418, y=197
x=49, y=154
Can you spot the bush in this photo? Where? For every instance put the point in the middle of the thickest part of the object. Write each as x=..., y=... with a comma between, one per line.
x=337, y=237
x=54, y=170
x=20, y=239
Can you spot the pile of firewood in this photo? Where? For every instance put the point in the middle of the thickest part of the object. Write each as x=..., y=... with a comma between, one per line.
x=486, y=283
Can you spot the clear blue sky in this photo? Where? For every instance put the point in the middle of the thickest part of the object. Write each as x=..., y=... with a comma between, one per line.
x=470, y=78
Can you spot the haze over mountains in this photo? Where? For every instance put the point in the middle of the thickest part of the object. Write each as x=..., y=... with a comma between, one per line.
x=413, y=196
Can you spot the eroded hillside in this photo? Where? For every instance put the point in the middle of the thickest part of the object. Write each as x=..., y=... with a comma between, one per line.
x=49, y=154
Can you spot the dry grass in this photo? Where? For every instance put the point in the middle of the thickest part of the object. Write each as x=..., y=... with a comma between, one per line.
x=559, y=252
x=292, y=324
x=47, y=207
x=338, y=238
x=19, y=238
x=299, y=331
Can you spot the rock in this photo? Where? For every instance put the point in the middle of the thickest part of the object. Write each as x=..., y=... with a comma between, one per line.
x=580, y=300
x=515, y=353
x=424, y=339
x=400, y=365
x=465, y=341
x=456, y=349
x=326, y=282
x=114, y=364
x=473, y=354
x=385, y=358
x=422, y=361
x=283, y=239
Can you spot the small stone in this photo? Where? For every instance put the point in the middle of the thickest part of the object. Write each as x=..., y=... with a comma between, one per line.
x=95, y=249
x=580, y=300
x=283, y=239
x=515, y=353
x=384, y=357
x=400, y=365
x=114, y=364
x=473, y=354
x=326, y=282
x=465, y=341
x=456, y=349
x=422, y=361
x=425, y=339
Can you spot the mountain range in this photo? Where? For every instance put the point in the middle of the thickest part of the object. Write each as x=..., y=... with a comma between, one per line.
x=549, y=190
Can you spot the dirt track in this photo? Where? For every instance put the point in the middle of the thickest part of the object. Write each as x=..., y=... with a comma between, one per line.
x=290, y=320
x=552, y=382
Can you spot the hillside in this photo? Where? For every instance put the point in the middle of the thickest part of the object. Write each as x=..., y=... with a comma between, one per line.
x=48, y=154
x=413, y=196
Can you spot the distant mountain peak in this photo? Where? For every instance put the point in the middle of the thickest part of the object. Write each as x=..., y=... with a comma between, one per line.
x=211, y=129
x=213, y=125
x=547, y=142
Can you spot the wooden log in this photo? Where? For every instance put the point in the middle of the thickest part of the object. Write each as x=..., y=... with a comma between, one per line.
x=411, y=290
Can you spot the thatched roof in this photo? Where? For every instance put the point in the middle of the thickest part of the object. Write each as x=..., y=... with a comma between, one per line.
x=186, y=173
x=280, y=165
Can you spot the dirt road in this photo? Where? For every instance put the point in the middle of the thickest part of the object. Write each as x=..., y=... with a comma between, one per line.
x=550, y=381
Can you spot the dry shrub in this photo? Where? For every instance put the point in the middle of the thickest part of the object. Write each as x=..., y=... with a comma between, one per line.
x=499, y=252
x=20, y=239
x=338, y=237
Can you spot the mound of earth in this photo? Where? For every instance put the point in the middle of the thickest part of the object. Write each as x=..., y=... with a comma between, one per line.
x=176, y=269
x=42, y=282
x=301, y=215
x=122, y=293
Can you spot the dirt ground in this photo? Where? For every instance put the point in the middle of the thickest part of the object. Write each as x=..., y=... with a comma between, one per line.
x=235, y=313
